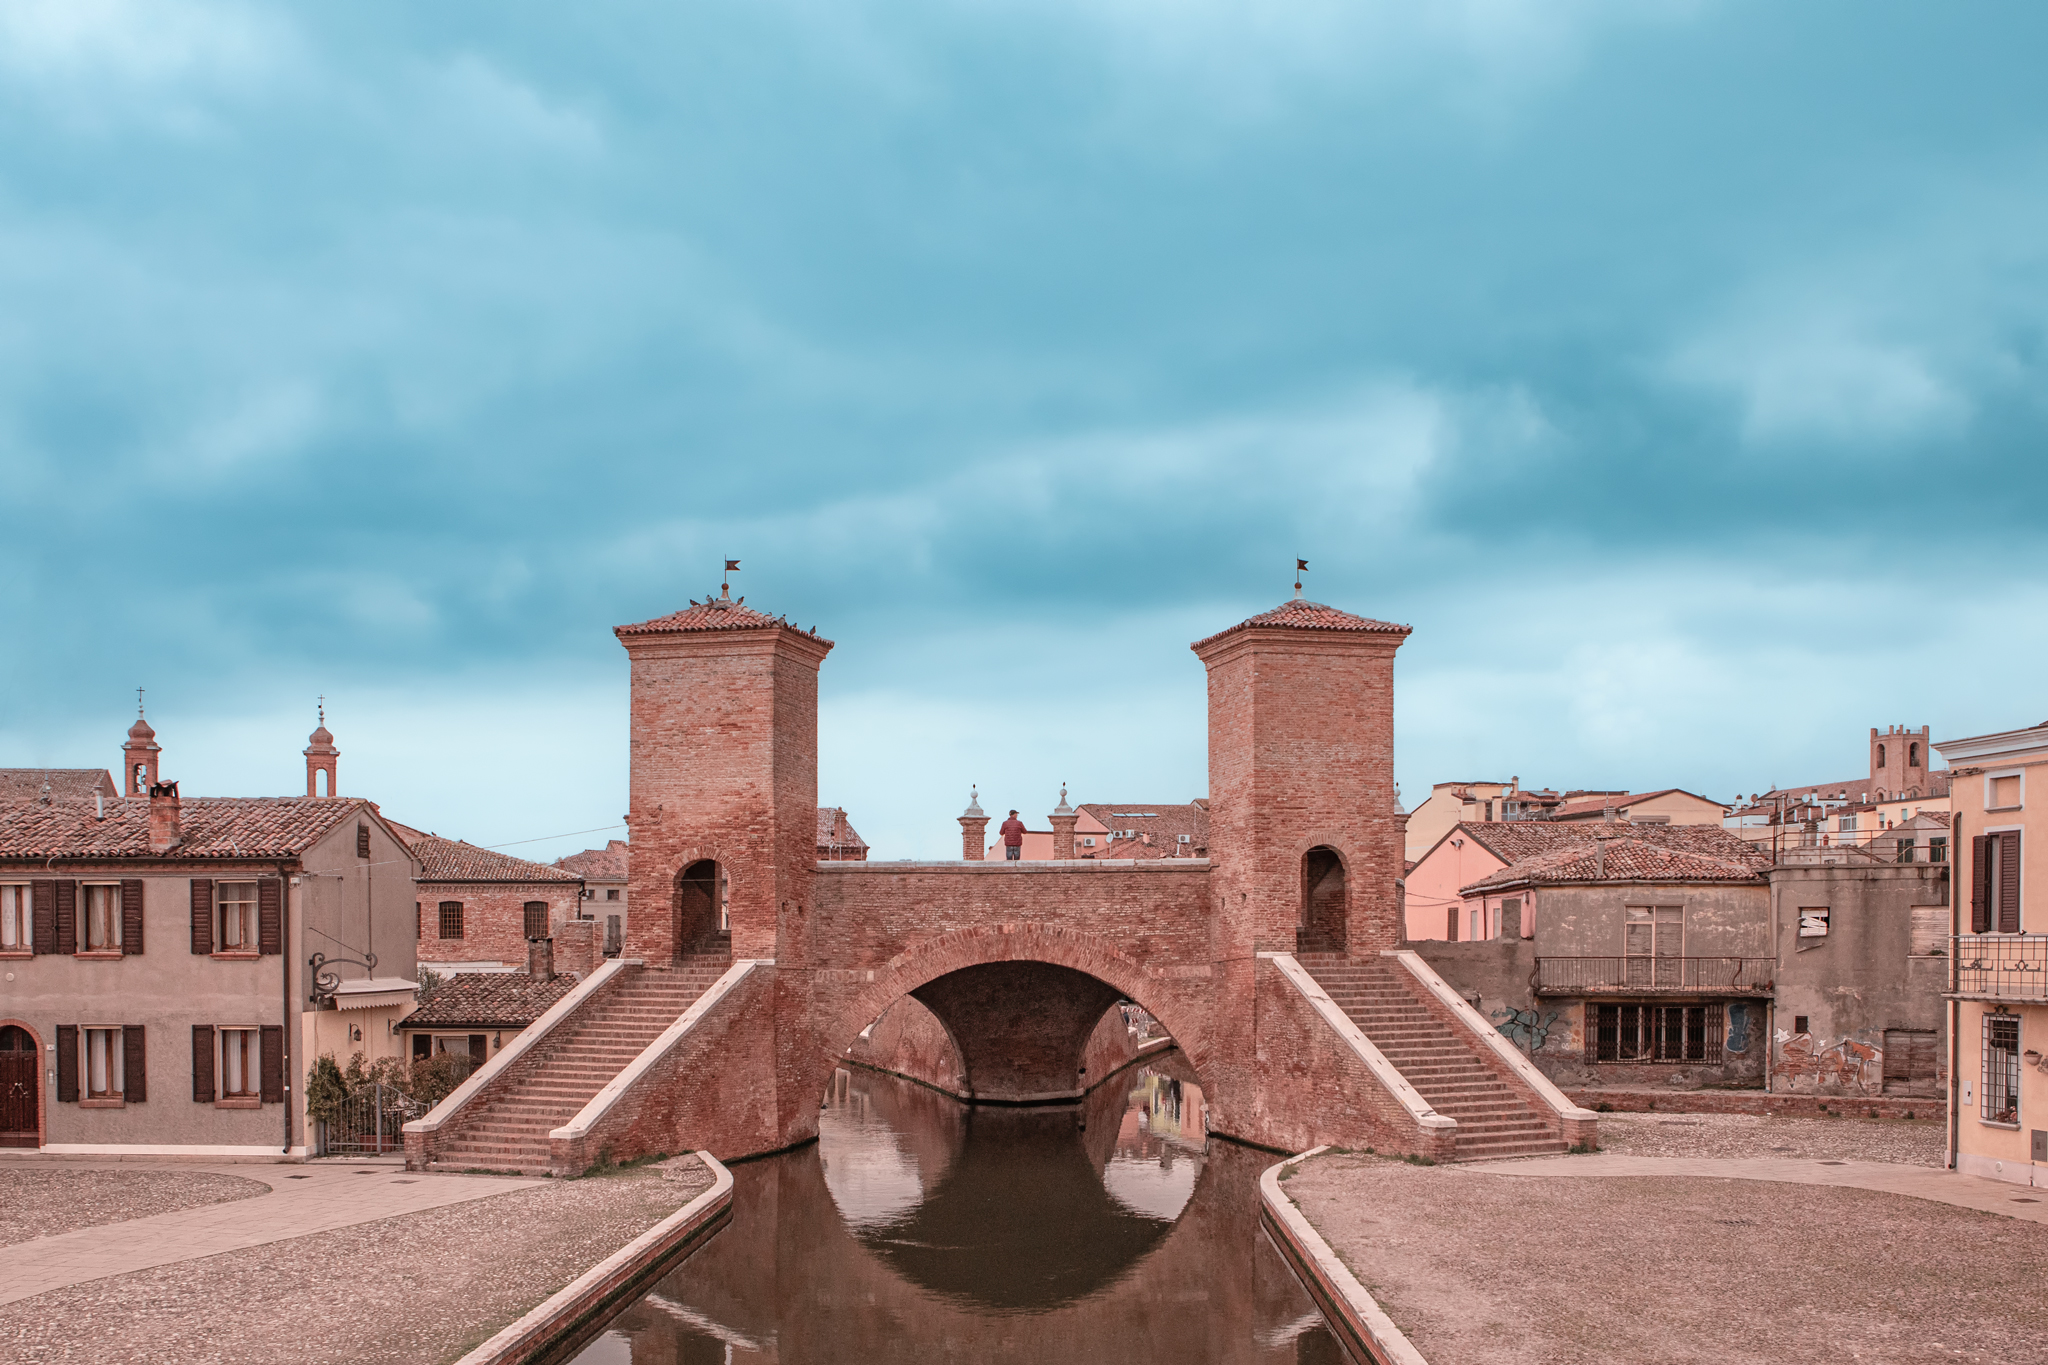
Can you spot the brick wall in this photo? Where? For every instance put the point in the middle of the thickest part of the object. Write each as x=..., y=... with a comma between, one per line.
x=493, y=919
x=724, y=741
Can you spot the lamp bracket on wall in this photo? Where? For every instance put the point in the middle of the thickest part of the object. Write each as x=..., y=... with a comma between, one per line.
x=326, y=980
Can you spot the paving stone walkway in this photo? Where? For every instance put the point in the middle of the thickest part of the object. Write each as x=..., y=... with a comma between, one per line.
x=304, y=1199
x=1918, y=1182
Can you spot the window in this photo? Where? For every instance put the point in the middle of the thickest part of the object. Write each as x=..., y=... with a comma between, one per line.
x=1813, y=921
x=536, y=916
x=1655, y=1033
x=451, y=919
x=1880, y=756
x=1653, y=941
x=362, y=841
x=1912, y=755
x=1799, y=1024
x=239, y=1063
x=237, y=902
x=613, y=893
x=1937, y=850
x=2001, y=1068
x=104, y=1064
x=102, y=917
x=17, y=927
x=1848, y=825
x=1995, y=883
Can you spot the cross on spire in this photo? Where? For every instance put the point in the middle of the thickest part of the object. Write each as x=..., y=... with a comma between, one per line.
x=138, y=702
x=323, y=708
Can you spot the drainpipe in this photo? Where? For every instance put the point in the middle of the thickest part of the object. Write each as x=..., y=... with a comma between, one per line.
x=1955, y=982
x=284, y=941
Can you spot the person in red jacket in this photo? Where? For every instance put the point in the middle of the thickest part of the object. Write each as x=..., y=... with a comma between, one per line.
x=1013, y=838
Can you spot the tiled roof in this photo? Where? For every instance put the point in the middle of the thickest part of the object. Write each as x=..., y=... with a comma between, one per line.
x=65, y=784
x=1594, y=805
x=1934, y=785
x=1162, y=824
x=451, y=860
x=1300, y=614
x=210, y=826
x=835, y=830
x=714, y=613
x=489, y=1000
x=607, y=864
x=1637, y=853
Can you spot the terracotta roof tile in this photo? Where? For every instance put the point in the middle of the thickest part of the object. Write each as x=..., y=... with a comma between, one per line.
x=1637, y=853
x=1594, y=805
x=65, y=784
x=211, y=827
x=489, y=1000
x=835, y=830
x=607, y=864
x=1301, y=614
x=1164, y=824
x=451, y=860
x=715, y=614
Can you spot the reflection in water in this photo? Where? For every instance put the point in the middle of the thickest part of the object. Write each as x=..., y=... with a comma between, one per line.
x=920, y=1228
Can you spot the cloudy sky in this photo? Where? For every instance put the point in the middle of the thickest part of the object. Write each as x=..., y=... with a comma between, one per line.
x=1675, y=368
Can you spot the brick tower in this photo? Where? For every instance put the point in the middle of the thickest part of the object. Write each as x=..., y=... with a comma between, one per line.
x=724, y=783
x=1303, y=834
x=322, y=757
x=139, y=757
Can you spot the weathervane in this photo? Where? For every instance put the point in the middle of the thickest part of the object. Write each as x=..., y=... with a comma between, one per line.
x=138, y=702
x=1300, y=568
x=323, y=708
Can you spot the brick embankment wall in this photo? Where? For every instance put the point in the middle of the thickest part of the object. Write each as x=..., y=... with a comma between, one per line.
x=714, y=1089
x=908, y=1040
x=1758, y=1102
x=1315, y=1089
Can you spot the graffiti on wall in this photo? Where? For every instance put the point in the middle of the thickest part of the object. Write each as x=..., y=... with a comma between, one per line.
x=1849, y=1065
x=1526, y=1029
x=1738, y=1026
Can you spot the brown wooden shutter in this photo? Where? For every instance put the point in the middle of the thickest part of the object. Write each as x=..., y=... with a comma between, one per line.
x=2009, y=882
x=67, y=917
x=419, y=920
x=1980, y=884
x=479, y=1051
x=131, y=916
x=270, y=915
x=67, y=1063
x=43, y=897
x=362, y=841
x=135, y=1084
x=272, y=1045
x=202, y=1064
x=202, y=915
x=536, y=919
x=1591, y=1042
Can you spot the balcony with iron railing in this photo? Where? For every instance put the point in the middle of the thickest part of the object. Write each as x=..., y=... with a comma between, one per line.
x=2002, y=966
x=1654, y=975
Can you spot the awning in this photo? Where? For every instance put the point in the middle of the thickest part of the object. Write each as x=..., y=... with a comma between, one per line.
x=377, y=992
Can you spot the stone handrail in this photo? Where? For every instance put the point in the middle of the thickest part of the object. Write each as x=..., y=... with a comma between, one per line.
x=600, y=1104
x=528, y=1039
x=1359, y=1322
x=1376, y=1062
x=1569, y=1115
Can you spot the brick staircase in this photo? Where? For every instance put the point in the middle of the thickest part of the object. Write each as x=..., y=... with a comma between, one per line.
x=507, y=1127
x=1494, y=1118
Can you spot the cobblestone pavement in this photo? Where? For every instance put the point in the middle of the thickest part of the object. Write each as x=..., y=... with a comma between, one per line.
x=1912, y=1142
x=43, y=1201
x=301, y=1200
x=409, y=1290
x=1483, y=1268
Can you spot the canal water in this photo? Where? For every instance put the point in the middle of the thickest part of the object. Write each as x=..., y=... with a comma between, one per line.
x=920, y=1229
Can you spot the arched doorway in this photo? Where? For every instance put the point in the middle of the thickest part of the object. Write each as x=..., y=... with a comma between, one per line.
x=20, y=1088
x=702, y=898
x=1322, y=902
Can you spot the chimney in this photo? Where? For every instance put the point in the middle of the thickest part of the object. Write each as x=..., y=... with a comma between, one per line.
x=164, y=831
x=540, y=959
x=1607, y=813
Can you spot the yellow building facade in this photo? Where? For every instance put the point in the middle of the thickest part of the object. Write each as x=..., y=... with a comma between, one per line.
x=1998, y=1098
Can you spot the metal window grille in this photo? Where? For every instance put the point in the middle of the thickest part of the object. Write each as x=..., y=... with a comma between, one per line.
x=1657, y=1034
x=451, y=919
x=2001, y=1087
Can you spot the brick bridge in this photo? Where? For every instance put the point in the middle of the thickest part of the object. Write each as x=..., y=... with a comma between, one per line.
x=1273, y=962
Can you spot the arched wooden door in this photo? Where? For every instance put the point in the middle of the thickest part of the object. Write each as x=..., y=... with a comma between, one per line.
x=20, y=1077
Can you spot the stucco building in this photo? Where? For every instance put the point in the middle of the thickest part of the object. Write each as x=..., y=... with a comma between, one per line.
x=173, y=964
x=1998, y=1096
